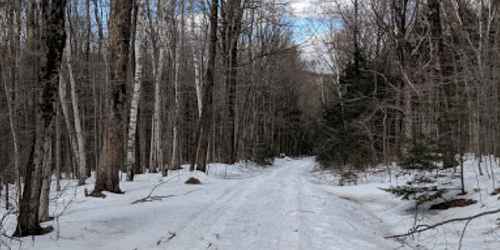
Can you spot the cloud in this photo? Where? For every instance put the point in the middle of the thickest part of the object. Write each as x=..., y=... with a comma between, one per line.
x=304, y=8
x=312, y=21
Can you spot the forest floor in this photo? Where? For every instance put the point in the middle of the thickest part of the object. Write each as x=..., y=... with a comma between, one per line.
x=290, y=205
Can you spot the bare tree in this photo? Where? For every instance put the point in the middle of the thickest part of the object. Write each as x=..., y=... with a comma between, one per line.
x=204, y=121
x=136, y=92
x=53, y=40
x=107, y=176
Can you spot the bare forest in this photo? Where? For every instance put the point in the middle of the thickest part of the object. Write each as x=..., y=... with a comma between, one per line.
x=291, y=121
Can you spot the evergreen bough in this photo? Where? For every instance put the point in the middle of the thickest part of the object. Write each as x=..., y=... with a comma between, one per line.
x=423, y=156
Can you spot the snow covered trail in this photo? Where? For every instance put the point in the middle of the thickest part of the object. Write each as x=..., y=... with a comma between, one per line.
x=280, y=208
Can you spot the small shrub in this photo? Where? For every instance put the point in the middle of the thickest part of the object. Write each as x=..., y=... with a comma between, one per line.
x=421, y=156
x=420, y=194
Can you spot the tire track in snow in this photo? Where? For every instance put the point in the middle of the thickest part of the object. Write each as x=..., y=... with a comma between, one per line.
x=198, y=233
x=280, y=209
x=266, y=218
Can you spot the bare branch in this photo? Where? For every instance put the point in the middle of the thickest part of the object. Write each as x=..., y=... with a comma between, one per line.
x=423, y=228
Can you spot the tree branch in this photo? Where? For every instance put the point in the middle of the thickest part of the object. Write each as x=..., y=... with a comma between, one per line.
x=423, y=228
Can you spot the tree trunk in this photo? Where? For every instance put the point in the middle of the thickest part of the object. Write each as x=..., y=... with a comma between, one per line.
x=95, y=88
x=57, y=148
x=445, y=88
x=13, y=133
x=46, y=179
x=67, y=120
x=232, y=14
x=399, y=9
x=156, y=153
x=111, y=158
x=196, y=61
x=159, y=48
x=136, y=94
x=53, y=38
x=179, y=49
x=10, y=92
x=79, y=139
x=205, y=120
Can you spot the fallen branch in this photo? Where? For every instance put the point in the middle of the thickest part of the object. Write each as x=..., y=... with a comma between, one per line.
x=150, y=197
x=166, y=239
x=153, y=198
x=463, y=234
x=423, y=228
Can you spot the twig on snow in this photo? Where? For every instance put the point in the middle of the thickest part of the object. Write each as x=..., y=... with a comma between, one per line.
x=462, y=234
x=4, y=236
x=151, y=197
x=423, y=228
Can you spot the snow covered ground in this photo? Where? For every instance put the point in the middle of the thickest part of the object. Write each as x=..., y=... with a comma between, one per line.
x=236, y=207
x=290, y=205
x=399, y=216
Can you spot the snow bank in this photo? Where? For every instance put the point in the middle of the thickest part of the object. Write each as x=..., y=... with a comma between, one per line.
x=399, y=215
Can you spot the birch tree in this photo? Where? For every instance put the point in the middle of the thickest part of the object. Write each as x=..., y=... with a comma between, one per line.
x=159, y=41
x=196, y=56
x=136, y=92
x=14, y=37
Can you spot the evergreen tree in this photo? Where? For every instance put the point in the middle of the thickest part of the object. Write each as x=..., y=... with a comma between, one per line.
x=343, y=140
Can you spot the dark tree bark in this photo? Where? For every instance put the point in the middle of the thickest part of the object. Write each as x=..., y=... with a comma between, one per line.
x=232, y=16
x=400, y=16
x=205, y=119
x=444, y=70
x=112, y=156
x=53, y=39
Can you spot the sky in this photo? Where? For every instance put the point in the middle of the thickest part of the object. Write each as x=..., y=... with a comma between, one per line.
x=305, y=18
x=310, y=29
